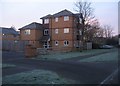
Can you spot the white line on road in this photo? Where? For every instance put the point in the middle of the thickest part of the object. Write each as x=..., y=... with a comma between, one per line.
x=110, y=77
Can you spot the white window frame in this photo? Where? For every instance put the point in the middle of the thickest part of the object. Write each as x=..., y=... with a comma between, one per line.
x=66, y=30
x=46, y=21
x=15, y=41
x=80, y=20
x=27, y=32
x=80, y=32
x=56, y=19
x=46, y=32
x=56, y=43
x=56, y=31
x=66, y=43
x=66, y=18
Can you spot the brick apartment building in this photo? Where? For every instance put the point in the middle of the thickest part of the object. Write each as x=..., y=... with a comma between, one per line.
x=57, y=32
x=63, y=30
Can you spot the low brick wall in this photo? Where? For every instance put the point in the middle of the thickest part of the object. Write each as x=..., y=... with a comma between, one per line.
x=30, y=51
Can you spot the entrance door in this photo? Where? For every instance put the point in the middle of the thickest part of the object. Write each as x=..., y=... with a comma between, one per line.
x=46, y=45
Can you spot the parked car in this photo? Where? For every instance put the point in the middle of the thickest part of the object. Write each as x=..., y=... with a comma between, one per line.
x=106, y=47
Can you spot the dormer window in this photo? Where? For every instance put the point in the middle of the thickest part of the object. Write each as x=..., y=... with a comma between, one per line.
x=66, y=18
x=46, y=21
x=46, y=32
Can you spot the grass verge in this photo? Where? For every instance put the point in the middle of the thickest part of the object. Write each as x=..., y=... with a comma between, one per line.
x=113, y=56
x=68, y=55
x=36, y=77
x=6, y=65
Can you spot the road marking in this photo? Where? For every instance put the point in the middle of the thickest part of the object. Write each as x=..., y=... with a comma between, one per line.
x=110, y=77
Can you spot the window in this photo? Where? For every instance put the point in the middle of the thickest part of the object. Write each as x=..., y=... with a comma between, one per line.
x=80, y=20
x=66, y=43
x=66, y=18
x=66, y=30
x=56, y=19
x=46, y=21
x=4, y=35
x=56, y=43
x=46, y=32
x=56, y=31
x=16, y=41
x=78, y=37
x=27, y=32
x=80, y=32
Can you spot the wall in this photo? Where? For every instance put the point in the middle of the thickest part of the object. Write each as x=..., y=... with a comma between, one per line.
x=13, y=46
x=33, y=38
x=61, y=36
x=34, y=35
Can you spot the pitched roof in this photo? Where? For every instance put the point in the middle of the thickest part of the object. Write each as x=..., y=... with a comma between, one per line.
x=63, y=13
x=8, y=31
x=33, y=25
x=47, y=16
x=78, y=14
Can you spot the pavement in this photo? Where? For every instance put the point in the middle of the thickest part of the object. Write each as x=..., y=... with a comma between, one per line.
x=82, y=73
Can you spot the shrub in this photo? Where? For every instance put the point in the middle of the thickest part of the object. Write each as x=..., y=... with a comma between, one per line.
x=95, y=46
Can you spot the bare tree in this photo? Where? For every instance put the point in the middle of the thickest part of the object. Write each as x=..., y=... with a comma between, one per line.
x=87, y=19
x=100, y=33
x=84, y=8
x=108, y=31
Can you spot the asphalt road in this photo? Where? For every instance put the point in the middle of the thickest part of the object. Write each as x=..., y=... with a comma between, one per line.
x=83, y=73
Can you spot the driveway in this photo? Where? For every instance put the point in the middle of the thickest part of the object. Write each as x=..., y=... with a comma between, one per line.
x=85, y=72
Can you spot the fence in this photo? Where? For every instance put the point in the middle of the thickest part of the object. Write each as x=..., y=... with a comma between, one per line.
x=12, y=45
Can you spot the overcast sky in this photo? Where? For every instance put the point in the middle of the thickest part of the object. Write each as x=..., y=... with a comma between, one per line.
x=19, y=13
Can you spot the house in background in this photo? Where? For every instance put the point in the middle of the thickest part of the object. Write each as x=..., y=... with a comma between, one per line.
x=9, y=38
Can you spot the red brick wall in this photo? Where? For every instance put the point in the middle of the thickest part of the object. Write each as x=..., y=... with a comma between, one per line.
x=34, y=35
x=61, y=36
x=61, y=23
x=33, y=38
